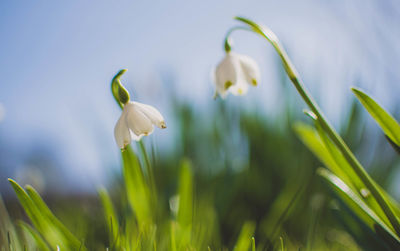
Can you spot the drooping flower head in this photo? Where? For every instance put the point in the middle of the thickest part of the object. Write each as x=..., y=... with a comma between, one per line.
x=235, y=73
x=136, y=120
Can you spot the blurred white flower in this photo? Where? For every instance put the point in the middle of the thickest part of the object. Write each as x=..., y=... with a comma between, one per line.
x=235, y=73
x=136, y=120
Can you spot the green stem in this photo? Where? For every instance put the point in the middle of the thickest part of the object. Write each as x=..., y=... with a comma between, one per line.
x=228, y=41
x=149, y=169
x=344, y=149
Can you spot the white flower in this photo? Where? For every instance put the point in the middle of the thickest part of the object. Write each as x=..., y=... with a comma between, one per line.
x=136, y=120
x=235, y=73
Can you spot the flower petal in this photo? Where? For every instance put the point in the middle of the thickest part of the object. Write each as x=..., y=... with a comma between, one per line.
x=152, y=113
x=250, y=69
x=137, y=121
x=226, y=73
x=240, y=88
x=136, y=137
x=121, y=132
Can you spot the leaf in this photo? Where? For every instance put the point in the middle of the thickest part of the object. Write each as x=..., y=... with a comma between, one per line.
x=311, y=138
x=70, y=239
x=43, y=219
x=282, y=244
x=244, y=242
x=136, y=187
x=185, y=211
x=40, y=243
x=7, y=229
x=26, y=202
x=173, y=236
x=355, y=183
x=185, y=205
x=110, y=216
x=354, y=201
x=330, y=156
x=388, y=124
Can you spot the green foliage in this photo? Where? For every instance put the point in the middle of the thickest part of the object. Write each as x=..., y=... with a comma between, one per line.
x=389, y=125
x=245, y=241
x=353, y=200
x=55, y=233
x=185, y=206
x=110, y=217
x=348, y=185
x=8, y=235
x=137, y=188
x=325, y=127
x=343, y=179
x=272, y=190
x=39, y=241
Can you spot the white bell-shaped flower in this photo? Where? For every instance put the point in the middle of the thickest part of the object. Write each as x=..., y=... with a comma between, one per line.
x=235, y=73
x=136, y=121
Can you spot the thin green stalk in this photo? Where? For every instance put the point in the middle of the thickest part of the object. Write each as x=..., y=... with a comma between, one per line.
x=149, y=169
x=227, y=42
x=344, y=149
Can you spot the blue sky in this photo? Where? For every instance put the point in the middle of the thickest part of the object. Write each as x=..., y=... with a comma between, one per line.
x=58, y=57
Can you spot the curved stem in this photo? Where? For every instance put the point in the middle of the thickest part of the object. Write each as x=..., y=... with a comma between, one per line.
x=344, y=149
x=228, y=41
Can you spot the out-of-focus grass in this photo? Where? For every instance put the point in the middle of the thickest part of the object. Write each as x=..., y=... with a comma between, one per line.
x=269, y=187
x=234, y=175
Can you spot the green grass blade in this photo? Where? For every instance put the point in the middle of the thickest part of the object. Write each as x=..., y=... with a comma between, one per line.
x=7, y=229
x=149, y=170
x=185, y=210
x=328, y=153
x=331, y=157
x=70, y=239
x=244, y=240
x=185, y=206
x=40, y=242
x=354, y=201
x=43, y=219
x=26, y=202
x=110, y=216
x=136, y=187
x=388, y=124
x=347, y=174
x=352, y=179
x=34, y=214
x=282, y=244
x=310, y=137
x=173, y=236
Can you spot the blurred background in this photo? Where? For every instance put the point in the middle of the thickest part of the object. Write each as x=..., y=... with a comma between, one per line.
x=57, y=113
